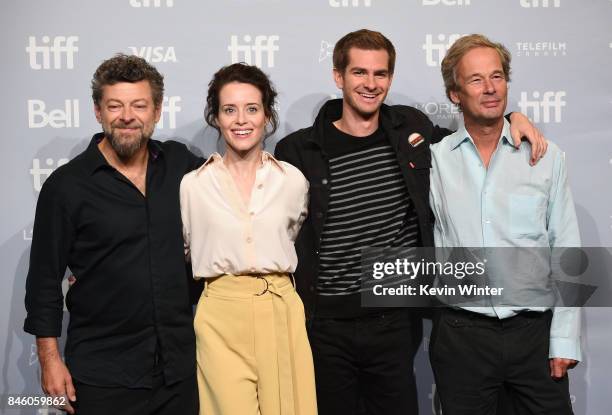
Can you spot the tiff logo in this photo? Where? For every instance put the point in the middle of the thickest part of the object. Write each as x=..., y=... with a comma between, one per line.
x=62, y=48
x=545, y=109
x=58, y=118
x=151, y=3
x=155, y=54
x=169, y=109
x=446, y=2
x=435, y=51
x=262, y=44
x=40, y=174
x=540, y=3
x=351, y=3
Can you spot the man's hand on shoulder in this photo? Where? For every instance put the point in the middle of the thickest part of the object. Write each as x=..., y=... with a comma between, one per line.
x=521, y=126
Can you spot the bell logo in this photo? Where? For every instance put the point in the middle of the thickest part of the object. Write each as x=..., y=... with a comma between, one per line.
x=545, y=110
x=262, y=44
x=66, y=118
x=151, y=3
x=351, y=3
x=435, y=51
x=155, y=54
x=169, y=109
x=62, y=48
x=446, y=2
x=40, y=174
x=540, y=3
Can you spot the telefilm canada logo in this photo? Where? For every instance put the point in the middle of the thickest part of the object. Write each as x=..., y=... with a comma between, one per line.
x=252, y=49
x=541, y=49
x=52, y=53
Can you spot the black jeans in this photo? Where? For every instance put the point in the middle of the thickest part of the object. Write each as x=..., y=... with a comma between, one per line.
x=475, y=357
x=178, y=398
x=364, y=365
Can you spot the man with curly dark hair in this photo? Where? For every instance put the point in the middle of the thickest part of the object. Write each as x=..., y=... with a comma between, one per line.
x=112, y=216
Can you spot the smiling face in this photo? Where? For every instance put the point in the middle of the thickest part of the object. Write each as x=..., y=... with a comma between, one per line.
x=128, y=115
x=482, y=89
x=365, y=82
x=241, y=118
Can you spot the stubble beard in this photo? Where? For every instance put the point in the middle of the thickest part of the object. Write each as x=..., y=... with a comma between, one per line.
x=126, y=147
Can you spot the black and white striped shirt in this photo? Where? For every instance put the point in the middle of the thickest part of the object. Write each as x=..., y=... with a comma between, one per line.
x=369, y=206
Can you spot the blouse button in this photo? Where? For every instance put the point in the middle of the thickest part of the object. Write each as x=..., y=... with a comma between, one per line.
x=249, y=240
x=260, y=186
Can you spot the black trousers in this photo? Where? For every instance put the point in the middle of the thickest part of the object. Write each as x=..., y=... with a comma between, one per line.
x=364, y=365
x=475, y=357
x=178, y=398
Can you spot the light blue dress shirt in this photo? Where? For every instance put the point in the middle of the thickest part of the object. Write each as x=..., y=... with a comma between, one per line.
x=510, y=204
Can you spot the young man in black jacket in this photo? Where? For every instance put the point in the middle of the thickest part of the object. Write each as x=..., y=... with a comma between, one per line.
x=368, y=167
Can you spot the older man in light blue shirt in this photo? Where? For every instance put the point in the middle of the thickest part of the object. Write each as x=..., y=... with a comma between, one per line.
x=484, y=194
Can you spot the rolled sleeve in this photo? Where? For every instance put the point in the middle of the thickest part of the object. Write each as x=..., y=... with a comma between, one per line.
x=51, y=242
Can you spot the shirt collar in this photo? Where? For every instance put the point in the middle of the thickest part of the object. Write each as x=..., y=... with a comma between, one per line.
x=95, y=159
x=462, y=136
x=218, y=158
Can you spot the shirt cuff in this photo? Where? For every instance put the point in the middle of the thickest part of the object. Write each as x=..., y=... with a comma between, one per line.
x=565, y=348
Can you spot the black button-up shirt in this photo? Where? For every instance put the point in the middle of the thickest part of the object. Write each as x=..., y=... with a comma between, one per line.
x=130, y=303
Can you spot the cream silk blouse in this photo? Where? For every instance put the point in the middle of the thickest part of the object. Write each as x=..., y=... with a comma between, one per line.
x=225, y=236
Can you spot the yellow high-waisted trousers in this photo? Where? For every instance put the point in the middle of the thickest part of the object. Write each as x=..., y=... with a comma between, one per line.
x=252, y=348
